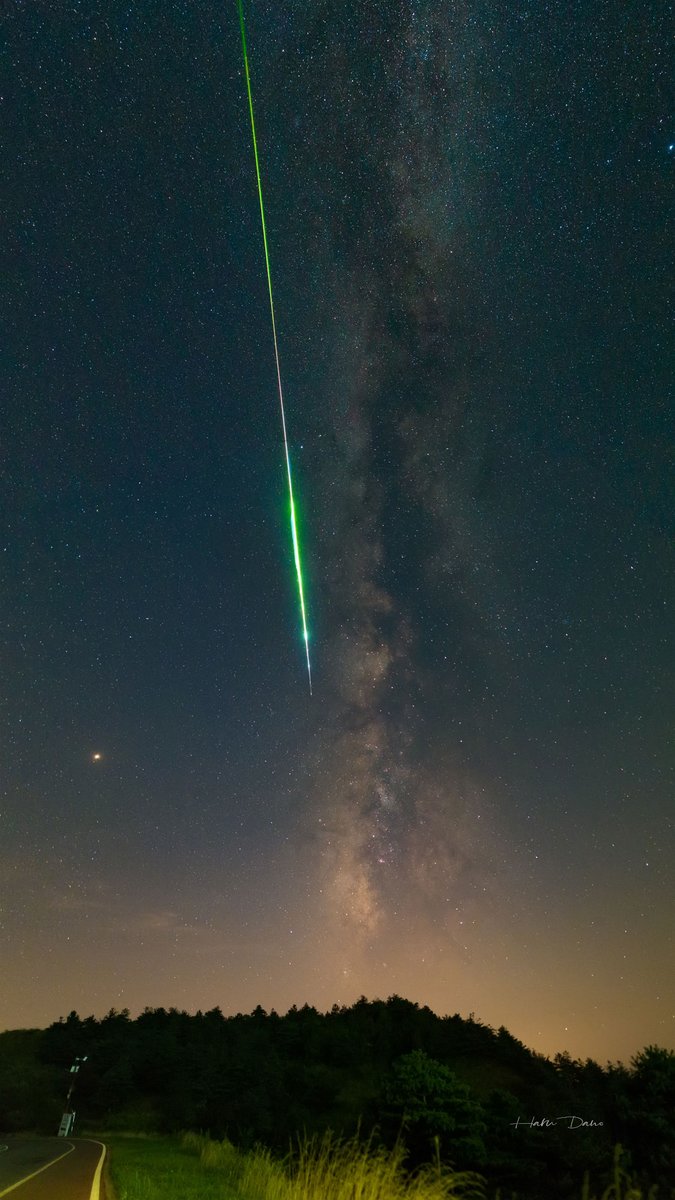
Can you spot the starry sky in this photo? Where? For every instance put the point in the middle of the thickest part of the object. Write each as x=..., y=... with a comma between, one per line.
x=466, y=208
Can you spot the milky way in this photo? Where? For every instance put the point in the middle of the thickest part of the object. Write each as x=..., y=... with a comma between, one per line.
x=466, y=210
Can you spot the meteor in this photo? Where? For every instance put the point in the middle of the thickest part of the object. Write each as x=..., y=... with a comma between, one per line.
x=294, y=527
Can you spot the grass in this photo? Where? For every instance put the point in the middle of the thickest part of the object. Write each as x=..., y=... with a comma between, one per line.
x=622, y=1187
x=197, y=1168
x=160, y=1168
x=327, y=1169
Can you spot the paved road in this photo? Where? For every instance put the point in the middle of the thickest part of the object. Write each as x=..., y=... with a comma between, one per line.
x=50, y=1169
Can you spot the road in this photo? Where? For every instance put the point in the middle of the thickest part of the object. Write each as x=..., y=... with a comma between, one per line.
x=51, y=1168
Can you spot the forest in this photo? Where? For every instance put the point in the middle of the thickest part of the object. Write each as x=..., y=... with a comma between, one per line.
x=390, y=1070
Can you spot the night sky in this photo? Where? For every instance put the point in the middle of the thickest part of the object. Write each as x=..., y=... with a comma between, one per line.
x=467, y=212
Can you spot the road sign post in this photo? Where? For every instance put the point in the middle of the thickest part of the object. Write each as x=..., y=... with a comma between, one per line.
x=68, y=1118
x=67, y=1122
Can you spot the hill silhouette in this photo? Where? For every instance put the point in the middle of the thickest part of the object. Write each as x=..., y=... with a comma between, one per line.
x=392, y=1066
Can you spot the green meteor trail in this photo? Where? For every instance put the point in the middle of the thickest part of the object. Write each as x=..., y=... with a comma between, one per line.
x=294, y=527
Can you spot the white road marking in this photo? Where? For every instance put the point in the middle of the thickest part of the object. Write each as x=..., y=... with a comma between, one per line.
x=39, y=1171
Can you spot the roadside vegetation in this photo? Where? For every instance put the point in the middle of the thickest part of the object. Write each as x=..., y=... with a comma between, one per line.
x=448, y=1089
x=196, y=1167
x=160, y=1168
x=318, y=1169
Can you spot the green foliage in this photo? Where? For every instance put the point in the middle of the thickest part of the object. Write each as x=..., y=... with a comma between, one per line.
x=29, y=1097
x=647, y=1114
x=162, y=1169
x=328, y=1169
x=262, y=1078
x=434, y=1107
x=318, y=1169
x=115, y=1086
x=623, y=1185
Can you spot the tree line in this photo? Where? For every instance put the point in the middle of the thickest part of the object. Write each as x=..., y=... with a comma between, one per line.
x=447, y=1084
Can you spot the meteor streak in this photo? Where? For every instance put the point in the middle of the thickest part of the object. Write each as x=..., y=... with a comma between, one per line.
x=294, y=528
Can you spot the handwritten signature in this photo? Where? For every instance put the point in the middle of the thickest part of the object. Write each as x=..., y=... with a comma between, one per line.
x=547, y=1122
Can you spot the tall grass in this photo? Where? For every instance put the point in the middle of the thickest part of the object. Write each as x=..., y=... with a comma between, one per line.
x=326, y=1168
x=319, y=1168
x=623, y=1185
x=217, y=1156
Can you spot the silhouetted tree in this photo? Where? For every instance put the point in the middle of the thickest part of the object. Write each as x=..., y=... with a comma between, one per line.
x=261, y=1076
x=431, y=1103
x=648, y=1114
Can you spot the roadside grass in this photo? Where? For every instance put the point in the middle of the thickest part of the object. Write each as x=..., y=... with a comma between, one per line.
x=326, y=1168
x=197, y=1168
x=160, y=1168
